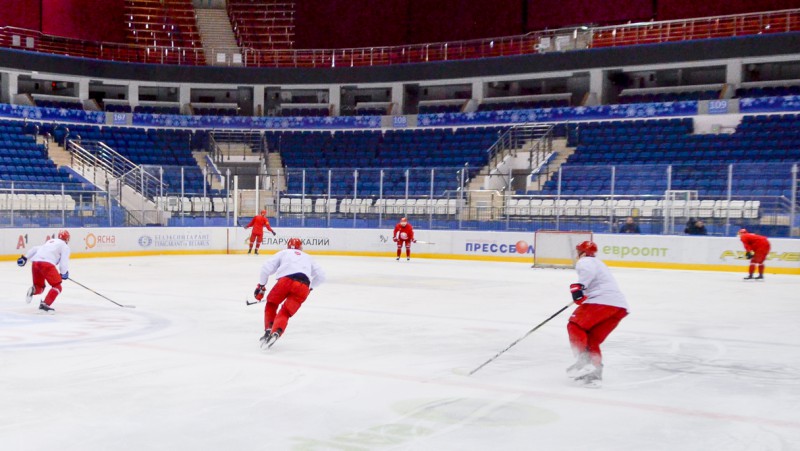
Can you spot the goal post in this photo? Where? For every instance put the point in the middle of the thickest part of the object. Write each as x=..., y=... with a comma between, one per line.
x=556, y=249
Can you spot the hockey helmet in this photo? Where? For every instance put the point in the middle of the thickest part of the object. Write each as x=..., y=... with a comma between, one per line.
x=741, y=231
x=263, y=212
x=294, y=243
x=403, y=221
x=63, y=235
x=587, y=248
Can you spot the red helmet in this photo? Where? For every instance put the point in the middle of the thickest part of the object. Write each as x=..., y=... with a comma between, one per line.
x=263, y=212
x=403, y=221
x=63, y=235
x=294, y=243
x=741, y=231
x=587, y=248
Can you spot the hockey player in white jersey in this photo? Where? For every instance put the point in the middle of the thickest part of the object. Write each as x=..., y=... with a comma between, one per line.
x=49, y=263
x=601, y=306
x=297, y=275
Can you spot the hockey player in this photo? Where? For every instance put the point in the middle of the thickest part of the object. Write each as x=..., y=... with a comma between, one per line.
x=297, y=275
x=403, y=235
x=258, y=223
x=757, y=249
x=601, y=306
x=50, y=263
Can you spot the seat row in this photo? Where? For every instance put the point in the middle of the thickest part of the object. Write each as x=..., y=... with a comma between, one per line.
x=633, y=207
x=178, y=204
x=36, y=202
x=368, y=206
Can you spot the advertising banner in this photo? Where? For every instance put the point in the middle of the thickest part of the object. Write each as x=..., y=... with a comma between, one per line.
x=636, y=251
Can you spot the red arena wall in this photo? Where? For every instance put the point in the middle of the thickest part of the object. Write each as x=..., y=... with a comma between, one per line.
x=84, y=19
x=22, y=14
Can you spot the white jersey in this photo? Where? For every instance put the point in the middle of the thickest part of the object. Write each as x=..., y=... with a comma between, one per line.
x=292, y=261
x=54, y=251
x=601, y=288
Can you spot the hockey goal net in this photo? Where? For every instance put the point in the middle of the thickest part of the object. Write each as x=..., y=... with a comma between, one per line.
x=555, y=249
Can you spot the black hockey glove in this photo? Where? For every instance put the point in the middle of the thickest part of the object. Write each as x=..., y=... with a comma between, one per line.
x=259, y=293
x=22, y=260
x=577, y=293
x=749, y=255
x=273, y=233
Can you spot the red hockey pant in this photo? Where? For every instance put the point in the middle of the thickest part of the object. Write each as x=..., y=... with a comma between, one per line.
x=400, y=246
x=44, y=271
x=589, y=326
x=759, y=256
x=257, y=238
x=291, y=294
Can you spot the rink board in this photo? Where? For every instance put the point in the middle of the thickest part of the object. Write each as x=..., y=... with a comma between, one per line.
x=636, y=251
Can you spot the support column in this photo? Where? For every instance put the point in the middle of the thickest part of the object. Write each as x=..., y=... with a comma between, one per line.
x=10, y=86
x=478, y=90
x=335, y=98
x=733, y=73
x=397, y=98
x=596, y=87
x=83, y=90
x=133, y=95
x=184, y=97
x=258, y=100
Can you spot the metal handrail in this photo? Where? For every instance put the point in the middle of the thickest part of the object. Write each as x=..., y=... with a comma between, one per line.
x=530, y=43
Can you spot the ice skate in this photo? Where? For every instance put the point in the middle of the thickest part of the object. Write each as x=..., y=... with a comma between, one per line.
x=265, y=339
x=249, y=251
x=749, y=277
x=256, y=252
x=760, y=277
x=273, y=338
x=593, y=379
x=580, y=371
x=46, y=308
x=398, y=258
x=269, y=339
x=29, y=295
x=408, y=259
x=577, y=369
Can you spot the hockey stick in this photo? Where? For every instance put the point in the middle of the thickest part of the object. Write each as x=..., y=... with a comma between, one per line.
x=519, y=339
x=423, y=242
x=104, y=297
x=254, y=302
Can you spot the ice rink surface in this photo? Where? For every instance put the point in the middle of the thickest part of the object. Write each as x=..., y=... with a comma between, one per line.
x=377, y=358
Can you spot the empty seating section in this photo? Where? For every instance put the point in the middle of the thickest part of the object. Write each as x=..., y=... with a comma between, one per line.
x=769, y=91
x=410, y=206
x=394, y=151
x=169, y=149
x=149, y=109
x=262, y=24
x=499, y=106
x=27, y=165
x=66, y=104
x=168, y=25
x=434, y=109
x=644, y=208
x=208, y=111
x=642, y=150
x=288, y=110
x=676, y=96
x=117, y=108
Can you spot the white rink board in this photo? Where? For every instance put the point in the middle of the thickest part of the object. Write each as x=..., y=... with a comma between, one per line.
x=648, y=251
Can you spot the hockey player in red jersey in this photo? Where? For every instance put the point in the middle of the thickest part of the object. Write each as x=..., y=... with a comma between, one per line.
x=601, y=306
x=49, y=263
x=403, y=235
x=258, y=223
x=757, y=249
x=297, y=275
